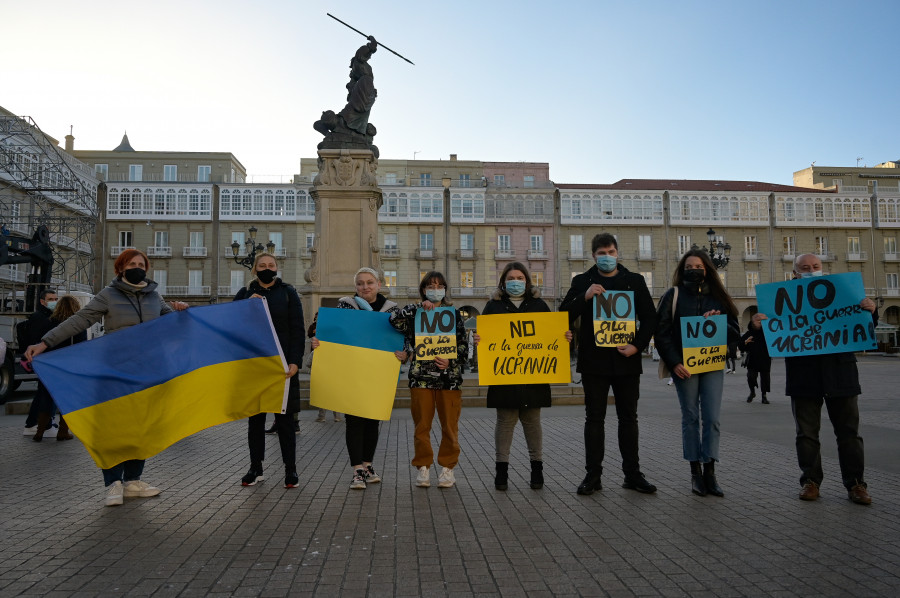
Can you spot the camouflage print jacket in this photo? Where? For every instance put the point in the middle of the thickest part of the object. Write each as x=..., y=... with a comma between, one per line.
x=426, y=374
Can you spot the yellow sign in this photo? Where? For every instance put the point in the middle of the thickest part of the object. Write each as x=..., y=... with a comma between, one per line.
x=528, y=348
x=369, y=392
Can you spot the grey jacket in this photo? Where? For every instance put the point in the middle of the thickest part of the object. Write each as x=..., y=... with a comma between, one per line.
x=121, y=304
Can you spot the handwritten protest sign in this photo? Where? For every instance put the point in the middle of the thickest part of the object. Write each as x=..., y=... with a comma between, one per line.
x=815, y=316
x=614, y=323
x=523, y=349
x=435, y=331
x=704, y=343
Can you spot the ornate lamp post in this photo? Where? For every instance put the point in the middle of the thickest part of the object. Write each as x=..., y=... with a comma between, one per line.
x=253, y=248
x=719, y=253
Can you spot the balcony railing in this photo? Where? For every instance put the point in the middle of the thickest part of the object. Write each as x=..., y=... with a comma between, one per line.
x=892, y=257
x=115, y=250
x=466, y=254
x=504, y=254
x=858, y=256
x=645, y=255
x=426, y=254
x=788, y=257
x=390, y=252
x=467, y=291
x=754, y=256
x=187, y=291
x=227, y=290
x=306, y=252
x=891, y=292
x=159, y=252
x=576, y=255
x=826, y=257
x=280, y=252
x=194, y=252
x=537, y=254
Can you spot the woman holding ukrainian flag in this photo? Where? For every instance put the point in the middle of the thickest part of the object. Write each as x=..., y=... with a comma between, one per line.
x=130, y=299
x=697, y=291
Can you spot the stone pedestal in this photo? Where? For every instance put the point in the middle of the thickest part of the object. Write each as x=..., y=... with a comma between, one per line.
x=347, y=199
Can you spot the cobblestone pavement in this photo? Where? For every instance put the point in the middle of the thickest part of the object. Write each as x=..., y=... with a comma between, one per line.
x=207, y=535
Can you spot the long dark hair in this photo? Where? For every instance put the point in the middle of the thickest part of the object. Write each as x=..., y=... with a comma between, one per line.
x=509, y=268
x=435, y=276
x=712, y=280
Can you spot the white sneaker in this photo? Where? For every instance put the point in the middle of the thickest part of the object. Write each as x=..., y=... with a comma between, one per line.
x=371, y=476
x=51, y=431
x=139, y=488
x=359, y=480
x=446, y=479
x=31, y=431
x=114, y=494
x=422, y=479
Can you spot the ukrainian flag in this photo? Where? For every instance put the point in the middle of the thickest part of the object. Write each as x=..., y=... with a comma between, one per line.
x=132, y=394
x=354, y=369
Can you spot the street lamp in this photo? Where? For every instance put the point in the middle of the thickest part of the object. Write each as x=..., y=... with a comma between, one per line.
x=719, y=252
x=253, y=248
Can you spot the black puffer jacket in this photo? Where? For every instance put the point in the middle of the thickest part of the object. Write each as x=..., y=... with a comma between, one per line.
x=517, y=396
x=607, y=361
x=690, y=303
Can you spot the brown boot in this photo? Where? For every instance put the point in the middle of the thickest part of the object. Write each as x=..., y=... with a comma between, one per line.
x=43, y=424
x=63, y=432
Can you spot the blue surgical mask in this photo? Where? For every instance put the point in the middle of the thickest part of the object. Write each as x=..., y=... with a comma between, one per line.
x=51, y=305
x=606, y=263
x=435, y=295
x=812, y=274
x=515, y=288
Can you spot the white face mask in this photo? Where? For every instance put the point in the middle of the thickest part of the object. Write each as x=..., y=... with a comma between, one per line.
x=812, y=274
x=435, y=295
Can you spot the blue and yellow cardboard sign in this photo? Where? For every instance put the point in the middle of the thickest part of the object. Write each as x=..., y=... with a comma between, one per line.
x=815, y=316
x=354, y=369
x=523, y=349
x=435, y=331
x=704, y=343
x=614, y=318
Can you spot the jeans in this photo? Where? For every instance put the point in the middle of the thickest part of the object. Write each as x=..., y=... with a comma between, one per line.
x=505, y=428
x=844, y=415
x=700, y=397
x=448, y=404
x=256, y=438
x=127, y=471
x=362, y=439
x=627, y=391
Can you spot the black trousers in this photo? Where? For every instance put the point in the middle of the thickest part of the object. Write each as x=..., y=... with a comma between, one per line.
x=627, y=391
x=765, y=379
x=362, y=438
x=256, y=438
x=844, y=415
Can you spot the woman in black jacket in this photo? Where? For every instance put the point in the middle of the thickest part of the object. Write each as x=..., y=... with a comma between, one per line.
x=517, y=402
x=753, y=343
x=700, y=292
x=287, y=318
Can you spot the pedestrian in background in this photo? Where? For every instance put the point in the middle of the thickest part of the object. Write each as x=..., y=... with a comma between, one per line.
x=759, y=364
x=32, y=329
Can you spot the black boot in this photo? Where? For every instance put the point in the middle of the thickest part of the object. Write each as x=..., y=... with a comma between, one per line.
x=752, y=394
x=590, y=483
x=698, y=486
x=43, y=424
x=537, y=475
x=765, y=401
x=500, y=479
x=254, y=476
x=709, y=478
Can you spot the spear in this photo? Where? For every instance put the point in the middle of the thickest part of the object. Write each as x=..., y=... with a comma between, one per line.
x=367, y=37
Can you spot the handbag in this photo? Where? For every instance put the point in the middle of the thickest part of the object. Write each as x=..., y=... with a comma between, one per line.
x=663, y=368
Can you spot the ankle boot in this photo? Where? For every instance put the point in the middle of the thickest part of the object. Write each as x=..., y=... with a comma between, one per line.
x=63, y=432
x=43, y=424
x=502, y=477
x=537, y=475
x=698, y=486
x=709, y=478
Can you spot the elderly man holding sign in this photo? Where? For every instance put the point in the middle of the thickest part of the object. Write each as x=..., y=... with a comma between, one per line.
x=817, y=323
x=617, y=323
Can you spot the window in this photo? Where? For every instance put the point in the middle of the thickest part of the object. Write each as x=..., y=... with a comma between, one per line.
x=821, y=246
x=684, y=244
x=237, y=281
x=750, y=245
x=645, y=247
x=853, y=247
x=161, y=278
x=161, y=239
x=893, y=284
x=464, y=180
x=239, y=237
x=537, y=279
x=890, y=246
x=390, y=278
x=789, y=275
x=648, y=278
x=499, y=179
x=390, y=243
x=529, y=180
x=789, y=248
x=425, y=179
x=203, y=174
x=310, y=240
x=752, y=281
x=135, y=172
x=125, y=239
x=467, y=280
x=537, y=243
x=195, y=282
x=170, y=172
x=576, y=245
x=196, y=239
x=278, y=239
x=101, y=171
x=390, y=178
x=426, y=241
x=467, y=241
x=503, y=244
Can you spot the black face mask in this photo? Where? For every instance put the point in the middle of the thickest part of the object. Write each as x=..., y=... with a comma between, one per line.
x=266, y=276
x=135, y=275
x=693, y=276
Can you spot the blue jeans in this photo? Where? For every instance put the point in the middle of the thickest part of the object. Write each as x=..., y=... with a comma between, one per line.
x=127, y=471
x=701, y=403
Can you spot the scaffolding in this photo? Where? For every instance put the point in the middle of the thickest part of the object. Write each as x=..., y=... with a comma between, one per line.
x=40, y=184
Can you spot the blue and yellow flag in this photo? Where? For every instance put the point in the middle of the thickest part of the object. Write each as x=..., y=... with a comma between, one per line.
x=131, y=394
x=355, y=370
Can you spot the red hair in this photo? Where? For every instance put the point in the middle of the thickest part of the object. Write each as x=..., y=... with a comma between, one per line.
x=126, y=256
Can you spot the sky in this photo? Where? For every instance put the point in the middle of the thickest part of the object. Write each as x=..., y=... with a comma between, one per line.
x=601, y=90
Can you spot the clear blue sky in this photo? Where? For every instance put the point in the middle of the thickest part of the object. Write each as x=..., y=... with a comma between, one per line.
x=601, y=90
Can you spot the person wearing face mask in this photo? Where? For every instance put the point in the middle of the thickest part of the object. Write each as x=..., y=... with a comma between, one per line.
x=604, y=368
x=700, y=292
x=832, y=380
x=361, y=432
x=130, y=299
x=517, y=402
x=286, y=311
x=36, y=326
x=434, y=386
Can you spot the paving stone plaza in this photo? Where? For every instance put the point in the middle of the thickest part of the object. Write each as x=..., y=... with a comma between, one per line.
x=207, y=535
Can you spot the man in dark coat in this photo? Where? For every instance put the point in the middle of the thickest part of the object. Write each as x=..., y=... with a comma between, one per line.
x=831, y=379
x=38, y=325
x=602, y=368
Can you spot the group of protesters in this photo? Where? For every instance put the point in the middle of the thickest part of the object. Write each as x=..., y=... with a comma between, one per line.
x=435, y=383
